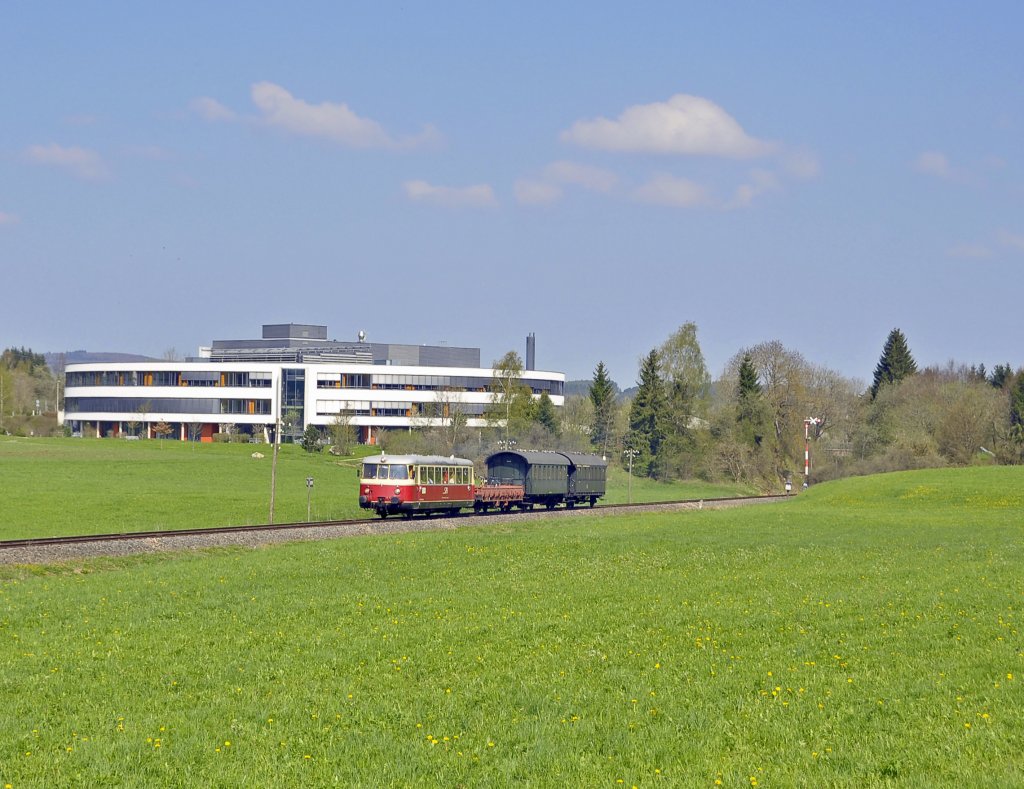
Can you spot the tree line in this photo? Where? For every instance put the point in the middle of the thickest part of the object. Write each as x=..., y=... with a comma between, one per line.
x=751, y=423
x=30, y=393
x=746, y=425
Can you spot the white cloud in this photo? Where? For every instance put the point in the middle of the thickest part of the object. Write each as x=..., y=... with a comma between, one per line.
x=548, y=188
x=801, y=164
x=760, y=181
x=682, y=125
x=533, y=192
x=933, y=163
x=584, y=175
x=1003, y=240
x=211, y=109
x=1011, y=240
x=80, y=161
x=970, y=251
x=668, y=190
x=8, y=219
x=335, y=122
x=476, y=195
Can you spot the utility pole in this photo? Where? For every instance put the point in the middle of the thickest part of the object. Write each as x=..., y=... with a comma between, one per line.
x=277, y=443
x=630, y=453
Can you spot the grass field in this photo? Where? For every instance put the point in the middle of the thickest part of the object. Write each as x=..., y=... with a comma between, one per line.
x=865, y=633
x=64, y=486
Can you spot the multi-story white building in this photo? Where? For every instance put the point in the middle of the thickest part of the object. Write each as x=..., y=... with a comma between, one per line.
x=294, y=375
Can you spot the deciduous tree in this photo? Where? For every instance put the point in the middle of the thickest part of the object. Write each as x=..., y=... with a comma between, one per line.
x=342, y=433
x=511, y=405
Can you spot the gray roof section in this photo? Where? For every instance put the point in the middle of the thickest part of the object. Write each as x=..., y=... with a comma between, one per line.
x=552, y=458
x=578, y=459
x=417, y=460
x=300, y=342
x=534, y=457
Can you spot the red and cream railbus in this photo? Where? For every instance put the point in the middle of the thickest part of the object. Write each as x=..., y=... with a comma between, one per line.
x=407, y=484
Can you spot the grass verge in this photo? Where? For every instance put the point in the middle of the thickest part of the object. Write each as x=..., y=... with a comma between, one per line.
x=59, y=486
x=866, y=633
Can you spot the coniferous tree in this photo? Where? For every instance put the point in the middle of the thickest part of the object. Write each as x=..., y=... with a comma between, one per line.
x=647, y=414
x=546, y=414
x=895, y=364
x=1017, y=405
x=1001, y=374
x=750, y=412
x=602, y=396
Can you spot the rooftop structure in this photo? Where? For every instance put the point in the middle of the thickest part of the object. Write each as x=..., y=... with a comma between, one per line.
x=300, y=342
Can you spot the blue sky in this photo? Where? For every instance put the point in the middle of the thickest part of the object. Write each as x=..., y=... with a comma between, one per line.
x=595, y=173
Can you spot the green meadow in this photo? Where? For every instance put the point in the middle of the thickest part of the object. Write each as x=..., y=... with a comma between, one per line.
x=58, y=486
x=864, y=633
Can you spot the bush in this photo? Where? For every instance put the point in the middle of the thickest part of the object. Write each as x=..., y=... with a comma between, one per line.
x=311, y=439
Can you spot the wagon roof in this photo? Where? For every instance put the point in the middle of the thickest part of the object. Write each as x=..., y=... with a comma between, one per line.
x=533, y=457
x=418, y=460
x=552, y=458
x=579, y=459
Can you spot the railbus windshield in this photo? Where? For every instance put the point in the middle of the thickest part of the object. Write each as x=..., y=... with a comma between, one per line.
x=388, y=471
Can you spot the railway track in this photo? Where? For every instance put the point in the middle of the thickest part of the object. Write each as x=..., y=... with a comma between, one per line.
x=54, y=549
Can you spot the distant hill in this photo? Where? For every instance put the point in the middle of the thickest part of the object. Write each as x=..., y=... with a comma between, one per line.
x=93, y=357
x=582, y=388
